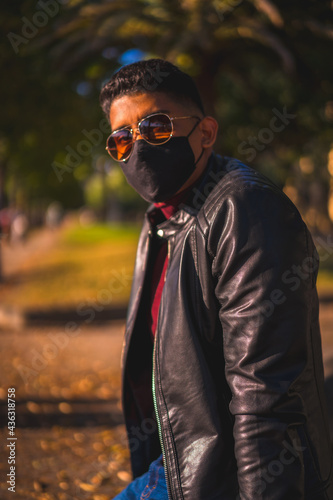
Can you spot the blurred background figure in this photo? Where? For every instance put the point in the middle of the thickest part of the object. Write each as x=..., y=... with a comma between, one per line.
x=54, y=215
x=19, y=228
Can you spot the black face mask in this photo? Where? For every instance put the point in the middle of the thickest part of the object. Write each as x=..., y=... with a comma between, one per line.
x=158, y=172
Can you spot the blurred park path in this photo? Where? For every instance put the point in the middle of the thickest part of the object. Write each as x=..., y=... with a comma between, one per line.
x=71, y=442
x=71, y=439
x=49, y=275
x=16, y=255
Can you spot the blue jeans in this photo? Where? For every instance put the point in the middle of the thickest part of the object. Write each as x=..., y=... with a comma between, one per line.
x=150, y=485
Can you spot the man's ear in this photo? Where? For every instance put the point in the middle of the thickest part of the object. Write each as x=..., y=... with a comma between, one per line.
x=208, y=127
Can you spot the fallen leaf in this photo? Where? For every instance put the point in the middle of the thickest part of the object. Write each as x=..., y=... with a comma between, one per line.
x=98, y=446
x=79, y=437
x=87, y=487
x=33, y=407
x=44, y=445
x=62, y=474
x=65, y=408
x=124, y=475
x=37, y=486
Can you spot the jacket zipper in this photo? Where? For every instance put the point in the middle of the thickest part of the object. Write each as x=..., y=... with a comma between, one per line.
x=167, y=479
x=159, y=426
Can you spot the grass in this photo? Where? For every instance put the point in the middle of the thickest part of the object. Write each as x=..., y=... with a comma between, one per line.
x=100, y=233
x=88, y=264
x=325, y=274
x=325, y=282
x=91, y=265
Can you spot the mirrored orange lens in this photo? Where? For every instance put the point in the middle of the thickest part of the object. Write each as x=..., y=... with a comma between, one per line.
x=119, y=144
x=156, y=129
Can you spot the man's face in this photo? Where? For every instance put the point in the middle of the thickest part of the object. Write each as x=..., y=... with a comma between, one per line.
x=129, y=110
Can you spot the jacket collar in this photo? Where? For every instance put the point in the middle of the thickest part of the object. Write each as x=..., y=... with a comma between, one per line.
x=190, y=208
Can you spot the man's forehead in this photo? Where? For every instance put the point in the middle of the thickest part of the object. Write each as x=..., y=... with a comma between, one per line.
x=130, y=109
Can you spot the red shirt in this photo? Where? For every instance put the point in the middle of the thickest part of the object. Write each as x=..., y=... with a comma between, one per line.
x=169, y=208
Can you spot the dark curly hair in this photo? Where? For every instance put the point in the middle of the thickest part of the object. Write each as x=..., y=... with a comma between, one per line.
x=152, y=75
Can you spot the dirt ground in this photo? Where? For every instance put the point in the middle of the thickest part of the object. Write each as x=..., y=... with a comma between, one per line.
x=71, y=443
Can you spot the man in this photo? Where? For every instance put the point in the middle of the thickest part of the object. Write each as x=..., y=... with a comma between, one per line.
x=222, y=365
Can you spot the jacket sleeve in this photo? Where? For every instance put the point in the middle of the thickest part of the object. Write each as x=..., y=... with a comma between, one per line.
x=264, y=264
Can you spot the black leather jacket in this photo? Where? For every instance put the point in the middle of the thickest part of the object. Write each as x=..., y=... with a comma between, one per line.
x=237, y=362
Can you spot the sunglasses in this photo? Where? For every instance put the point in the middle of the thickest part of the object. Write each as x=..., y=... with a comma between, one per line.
x=155, y=129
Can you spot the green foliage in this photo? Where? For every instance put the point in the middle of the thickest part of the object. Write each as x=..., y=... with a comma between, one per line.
x=248, y=58
x=101, y=233
x=42, y=115
x=103, y=188
x=90, y=265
